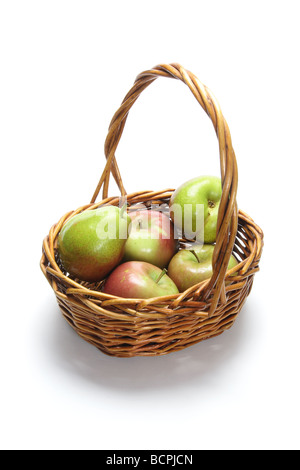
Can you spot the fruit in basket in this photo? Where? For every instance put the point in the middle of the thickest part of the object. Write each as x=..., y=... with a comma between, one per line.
x=194, y=208
x=92, y=243
x=191, y=266
x=139, y=280
x=151, y=238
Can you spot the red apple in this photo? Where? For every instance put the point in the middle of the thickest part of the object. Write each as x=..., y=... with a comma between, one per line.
x=151, y=238
x=139, y=280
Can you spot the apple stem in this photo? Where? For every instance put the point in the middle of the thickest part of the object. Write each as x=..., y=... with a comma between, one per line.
x=161, y=275
x=195, y=254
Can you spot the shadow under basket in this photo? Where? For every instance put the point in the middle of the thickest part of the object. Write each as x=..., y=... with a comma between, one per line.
x=150, y=327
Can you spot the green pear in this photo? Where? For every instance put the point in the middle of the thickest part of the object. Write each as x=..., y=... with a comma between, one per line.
x=194, y=208
x=188, y=267
x=92, y=243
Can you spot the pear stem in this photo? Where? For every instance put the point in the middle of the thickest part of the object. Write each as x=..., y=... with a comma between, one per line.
x=161, y=275
x=123, y=209
x=195, y=254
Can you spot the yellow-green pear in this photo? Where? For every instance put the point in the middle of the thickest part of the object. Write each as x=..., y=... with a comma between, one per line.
x=91, y=244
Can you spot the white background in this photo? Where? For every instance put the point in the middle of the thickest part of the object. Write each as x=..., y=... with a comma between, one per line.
x=65, y=68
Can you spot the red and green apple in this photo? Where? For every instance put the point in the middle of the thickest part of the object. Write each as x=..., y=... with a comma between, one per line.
x=139, y=280
x=188, y=267
x=151, y=238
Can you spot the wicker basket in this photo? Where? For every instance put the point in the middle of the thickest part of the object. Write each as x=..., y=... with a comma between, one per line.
x=148, y=327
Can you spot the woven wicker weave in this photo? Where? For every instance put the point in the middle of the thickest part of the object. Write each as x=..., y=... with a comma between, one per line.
x=134, y=327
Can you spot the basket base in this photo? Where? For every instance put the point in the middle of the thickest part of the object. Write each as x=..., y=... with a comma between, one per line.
x=132, y=341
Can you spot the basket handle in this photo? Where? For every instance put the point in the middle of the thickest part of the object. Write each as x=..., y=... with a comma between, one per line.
x=228, y=213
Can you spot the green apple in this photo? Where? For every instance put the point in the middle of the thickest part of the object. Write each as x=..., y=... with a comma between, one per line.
x=151, y=238
x=92, y=243
x=139, y=280
x=194, y=208
x=191, y=266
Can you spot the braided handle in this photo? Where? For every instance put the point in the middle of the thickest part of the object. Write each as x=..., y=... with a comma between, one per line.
x=228, y=213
